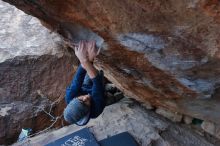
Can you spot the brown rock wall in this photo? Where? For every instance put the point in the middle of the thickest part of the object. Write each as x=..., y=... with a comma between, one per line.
x=165, y=52
x=30, y=84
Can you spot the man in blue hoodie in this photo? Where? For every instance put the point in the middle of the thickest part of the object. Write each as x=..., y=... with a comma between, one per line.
x=85, y=95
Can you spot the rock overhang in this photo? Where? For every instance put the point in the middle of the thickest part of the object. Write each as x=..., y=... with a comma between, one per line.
x=163, y=52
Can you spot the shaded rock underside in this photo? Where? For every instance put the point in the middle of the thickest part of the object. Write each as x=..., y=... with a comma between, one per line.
x=164, y=52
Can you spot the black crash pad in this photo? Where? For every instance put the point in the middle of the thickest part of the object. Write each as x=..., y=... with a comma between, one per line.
x=122, y=139
x=82, y=137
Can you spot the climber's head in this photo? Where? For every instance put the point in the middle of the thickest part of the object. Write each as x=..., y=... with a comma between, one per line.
x=78, y=110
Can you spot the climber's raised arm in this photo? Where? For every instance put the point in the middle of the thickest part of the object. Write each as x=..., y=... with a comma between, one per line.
x=74, y=89
x=90, y=100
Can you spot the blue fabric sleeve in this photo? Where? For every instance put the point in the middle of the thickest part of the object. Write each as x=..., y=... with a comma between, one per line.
x=98, y=98
x=74, y=89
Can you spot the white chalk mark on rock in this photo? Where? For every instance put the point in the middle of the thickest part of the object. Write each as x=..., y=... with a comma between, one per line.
x=4, y=111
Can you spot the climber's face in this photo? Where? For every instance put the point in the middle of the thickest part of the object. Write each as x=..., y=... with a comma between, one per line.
x=86, y=99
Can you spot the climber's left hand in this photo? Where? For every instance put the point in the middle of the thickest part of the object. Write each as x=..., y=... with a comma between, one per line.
x=81, y=52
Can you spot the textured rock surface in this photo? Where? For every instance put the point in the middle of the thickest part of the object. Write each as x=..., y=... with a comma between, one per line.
x=21, y=34
x=175, y=117
x=211, y=128
x=34, y=72
x=148, y=128
x=28, y=84
x=187, y=119
x=165, y=52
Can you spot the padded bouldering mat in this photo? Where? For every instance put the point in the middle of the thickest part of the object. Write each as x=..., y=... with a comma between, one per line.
x=82, y=137
x=122, y=139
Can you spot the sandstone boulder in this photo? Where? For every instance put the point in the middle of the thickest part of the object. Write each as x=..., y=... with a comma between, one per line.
x=164, y=52
x=35, y=69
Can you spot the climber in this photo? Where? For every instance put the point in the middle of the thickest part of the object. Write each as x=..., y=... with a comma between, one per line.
x=85, y=95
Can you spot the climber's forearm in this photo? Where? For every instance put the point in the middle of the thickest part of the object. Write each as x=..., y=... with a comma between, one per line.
x=91, y=70
x=76, y=84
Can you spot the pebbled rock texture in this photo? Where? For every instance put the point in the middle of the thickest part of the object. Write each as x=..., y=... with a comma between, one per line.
x=163, y=52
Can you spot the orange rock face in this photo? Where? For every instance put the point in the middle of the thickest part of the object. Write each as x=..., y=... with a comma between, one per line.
x=164, y=52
